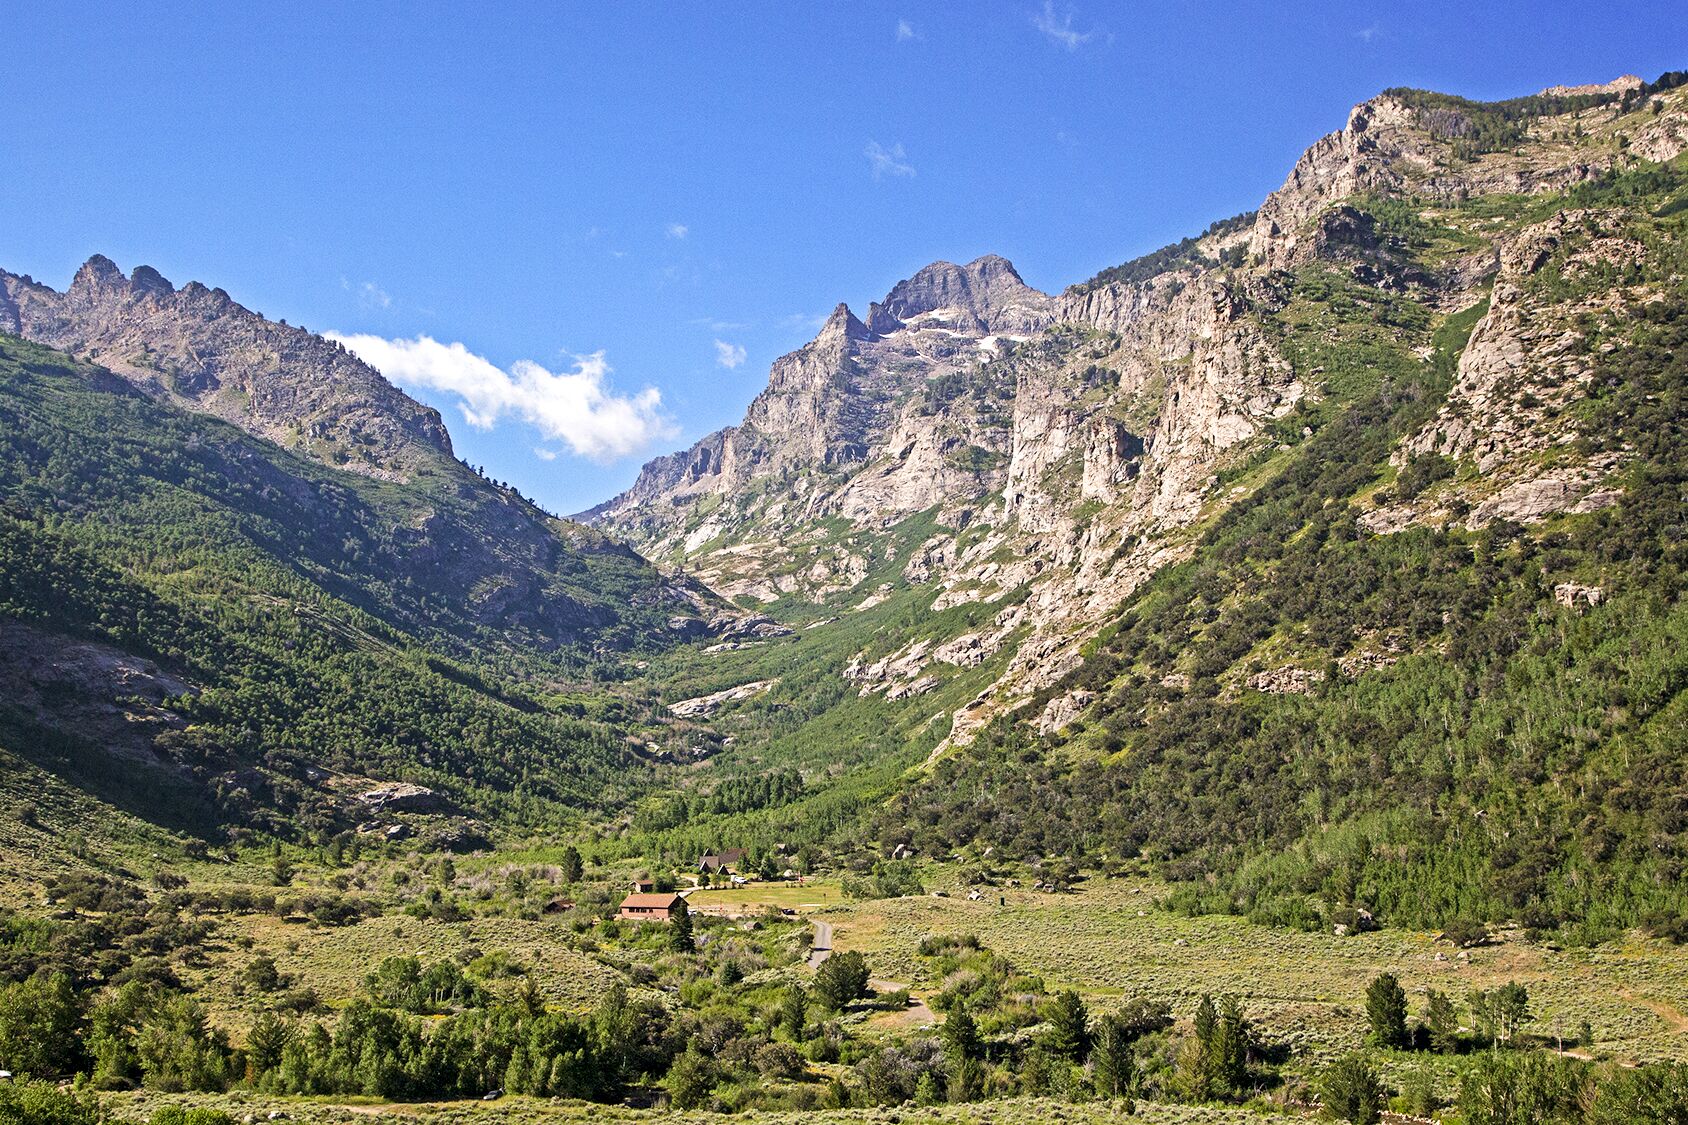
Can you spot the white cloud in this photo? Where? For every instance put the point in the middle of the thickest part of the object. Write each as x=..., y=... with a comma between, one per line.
x=574, y=407
x=544, y=454
x=1059, y=29
x=1367, y=34
x=805, y=321
x=906, y=32
x=716, y=325
x=370, y=295
x=884, y=161
x=677, y=230
x=729, y=355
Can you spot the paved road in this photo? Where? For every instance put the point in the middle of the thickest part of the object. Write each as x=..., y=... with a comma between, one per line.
x=821, y=948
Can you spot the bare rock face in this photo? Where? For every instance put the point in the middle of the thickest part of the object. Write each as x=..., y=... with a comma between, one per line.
x=841, y=426
x=706, y=705
x=199, y=348
x=1287, y=681
x=120, y=701
x=984, y=296
x=1527, y=365
x=1060, y=712
x=1388, y=147
x=1063, y=445
x=1370, y=154
x=1574, y=595
x=399, y=796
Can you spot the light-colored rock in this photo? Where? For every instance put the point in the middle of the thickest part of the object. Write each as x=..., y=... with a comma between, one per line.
x=1287, y=681
x=1574, y=595
x=1066, y=441
x=705, y=705
x=1060, y=712
x=398, y=796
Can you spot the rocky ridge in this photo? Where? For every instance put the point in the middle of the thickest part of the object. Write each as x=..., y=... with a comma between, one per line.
x=199, y=348
x=1061, y=443
x=504, y=567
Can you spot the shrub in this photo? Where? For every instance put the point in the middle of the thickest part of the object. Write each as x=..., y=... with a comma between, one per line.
x=840, y=979
x=195, y=1115
x=1351, y=1091
x=37, y=1103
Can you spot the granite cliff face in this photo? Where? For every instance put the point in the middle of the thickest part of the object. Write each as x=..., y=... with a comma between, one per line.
x=199, y=348
x=1057, y=450
x=859, y=421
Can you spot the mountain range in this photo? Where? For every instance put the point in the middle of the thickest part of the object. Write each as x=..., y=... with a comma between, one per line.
x=1151, y=566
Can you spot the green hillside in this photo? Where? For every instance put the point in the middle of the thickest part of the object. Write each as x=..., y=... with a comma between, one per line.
x=1506, y=756
x=292, y=599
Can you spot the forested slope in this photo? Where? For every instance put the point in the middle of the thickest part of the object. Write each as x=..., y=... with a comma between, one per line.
x=1329, y=708
x=188, y=609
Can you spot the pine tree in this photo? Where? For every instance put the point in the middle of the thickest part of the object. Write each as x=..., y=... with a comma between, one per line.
x=794, y=1011
x=1229, y=1047
x=841, y=978
x=967, y=1081
x=961, y=1034
x=1197, y=1072
x=573, y=868
x=680, y=928
x=1386, y=1010
x=264, y=1045
x=1351, y=1091
x=690, y=1079
x=1065, y=1035
x=1442, y=1021
x=1115, y=1067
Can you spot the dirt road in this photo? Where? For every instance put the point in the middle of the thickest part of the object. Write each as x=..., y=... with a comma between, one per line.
x=821, y=948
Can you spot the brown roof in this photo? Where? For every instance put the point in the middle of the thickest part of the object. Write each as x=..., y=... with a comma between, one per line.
x=651, y=902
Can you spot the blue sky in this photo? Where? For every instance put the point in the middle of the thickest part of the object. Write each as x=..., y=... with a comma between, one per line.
x=607, y=220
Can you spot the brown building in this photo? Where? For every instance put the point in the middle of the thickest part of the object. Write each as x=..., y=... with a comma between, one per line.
x=649, y=908
x=725, y=861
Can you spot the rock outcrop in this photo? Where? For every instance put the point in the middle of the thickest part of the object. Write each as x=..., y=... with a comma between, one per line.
x=705, y=705
x=1061, y=444
x=199, y=348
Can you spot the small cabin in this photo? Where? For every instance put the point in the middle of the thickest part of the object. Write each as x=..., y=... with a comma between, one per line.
x=644, y=885
x=649, y=907
x=721, y=861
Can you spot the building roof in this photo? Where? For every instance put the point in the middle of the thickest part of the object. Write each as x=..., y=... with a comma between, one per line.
x=650, y=902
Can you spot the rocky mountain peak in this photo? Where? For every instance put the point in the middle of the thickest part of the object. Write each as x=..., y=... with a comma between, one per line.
x=1618, y=85
x=145, y=279
x=98, y=274
x=199, y=348
x=985, y=295
x=844, y=323
x=101, y=281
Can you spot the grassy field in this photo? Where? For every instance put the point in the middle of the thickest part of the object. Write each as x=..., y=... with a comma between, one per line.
x=1020, y=1111
x=1108, y=941
x=334, y=960
x=811, y=895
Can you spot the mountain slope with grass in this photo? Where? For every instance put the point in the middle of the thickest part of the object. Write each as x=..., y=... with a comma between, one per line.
x=213, y=633
x=1249, y=682
x=1427, y=663
x=1330, y=558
